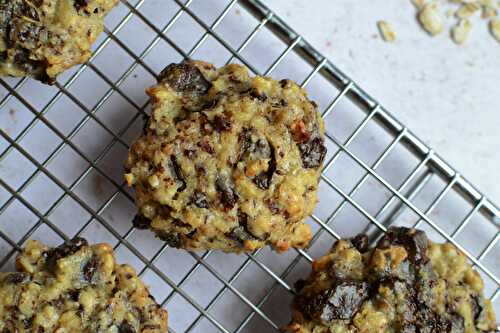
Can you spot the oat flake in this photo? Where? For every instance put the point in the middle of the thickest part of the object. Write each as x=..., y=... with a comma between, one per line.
x=387, y=32
x=460, y=32
x=488, y=12
x=495, y=28
x=430, y=19
x=467, y=10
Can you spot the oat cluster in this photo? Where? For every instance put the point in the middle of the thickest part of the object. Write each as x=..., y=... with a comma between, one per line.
x=432, y=16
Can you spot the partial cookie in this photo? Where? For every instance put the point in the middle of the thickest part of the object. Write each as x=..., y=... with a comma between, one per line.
x=405, y=284
x=227, y=161
x=76, y=287
x=43, y=38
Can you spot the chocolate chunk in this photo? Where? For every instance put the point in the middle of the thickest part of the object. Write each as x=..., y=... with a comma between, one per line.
x=299, y=285
x=284, y=83
x=241, y=232
x=79, y=4
x=221, y=123
x=199, y=199
x=185, y=77
x=145, y=124
x=206, y=147
x=273, y=206
x=29, y=12
x=141, y=222
x=28, y=323
x=281, y=103
x=178, y=173
x=74, y=294
x=90, y=269
x=477, y=308
x=341, y=301
x=264, y=179
x=414, y=241
x=312, y=153
x=16, y=278
x=151, y=327
x=32, y=67
x=172, y=239
x=360, y=242
x=180, y=224
x=255, y=94
x=63, y=250
x=68, y=248
x=125, y=327
x=208, y=105
x=227, y=195
x=189, y=153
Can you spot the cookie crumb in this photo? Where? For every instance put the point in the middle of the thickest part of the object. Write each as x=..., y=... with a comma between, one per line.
x=386, y=31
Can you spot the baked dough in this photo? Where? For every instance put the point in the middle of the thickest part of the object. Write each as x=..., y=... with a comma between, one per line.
x=76, y=287
x=227, y=161
x=405, y=284
x=43, y=38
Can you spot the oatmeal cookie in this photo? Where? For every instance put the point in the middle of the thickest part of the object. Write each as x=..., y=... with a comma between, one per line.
x=75, y=287
x=42, y=38
x=405, y=284
x=227, y=161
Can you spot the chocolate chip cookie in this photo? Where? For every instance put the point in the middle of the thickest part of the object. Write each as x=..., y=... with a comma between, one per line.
x=76, y=287
x=42, y=38
x=227, y=161
x=405, y=284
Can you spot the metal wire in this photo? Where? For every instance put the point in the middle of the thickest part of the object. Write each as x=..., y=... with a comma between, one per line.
x=400, y=201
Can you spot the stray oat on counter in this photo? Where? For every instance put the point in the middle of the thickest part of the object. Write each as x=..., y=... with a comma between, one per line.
x=76, y=287
x=43, y=38
x=227, y=161
x=405, y=284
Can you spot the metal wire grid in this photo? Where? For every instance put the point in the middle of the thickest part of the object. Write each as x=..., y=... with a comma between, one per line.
x=259, y=314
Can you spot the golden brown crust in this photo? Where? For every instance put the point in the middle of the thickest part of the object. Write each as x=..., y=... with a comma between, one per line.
x=405, y=284
x=43, y=38
x=227, y=161
x=75, y=287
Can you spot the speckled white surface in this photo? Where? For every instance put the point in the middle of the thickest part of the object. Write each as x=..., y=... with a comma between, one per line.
x=448, y=95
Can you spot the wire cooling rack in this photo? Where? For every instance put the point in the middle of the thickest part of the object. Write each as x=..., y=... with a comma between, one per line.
x=62, y=147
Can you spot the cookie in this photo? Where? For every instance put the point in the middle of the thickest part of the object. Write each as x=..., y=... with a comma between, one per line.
x=405, y=284
x=76, y=287
x=227, y=161
x=43, y=38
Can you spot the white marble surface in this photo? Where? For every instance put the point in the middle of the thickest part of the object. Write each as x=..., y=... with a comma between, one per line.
x=448, y=95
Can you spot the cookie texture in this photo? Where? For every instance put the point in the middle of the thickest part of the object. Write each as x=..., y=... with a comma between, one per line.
x=405, y=284
x=75, y=287
x=42, y=38
x=227, y=161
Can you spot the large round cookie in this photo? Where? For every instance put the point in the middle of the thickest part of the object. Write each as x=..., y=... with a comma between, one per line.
x=76, y=287
x=227, y=161
x=405, y=284
x=42, y=38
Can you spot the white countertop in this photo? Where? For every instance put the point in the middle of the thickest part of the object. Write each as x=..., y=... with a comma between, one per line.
x=448, y=95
